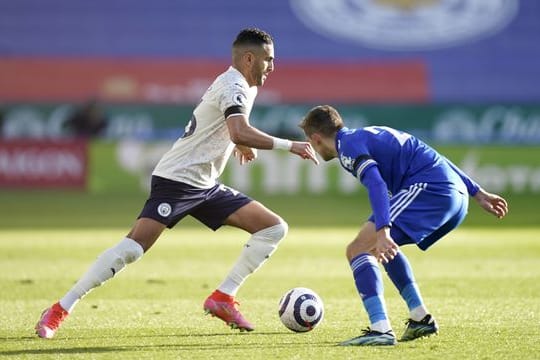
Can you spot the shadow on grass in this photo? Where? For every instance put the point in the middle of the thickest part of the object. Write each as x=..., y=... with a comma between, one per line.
x=68, y=350
x=107, y=336
x=208, y=346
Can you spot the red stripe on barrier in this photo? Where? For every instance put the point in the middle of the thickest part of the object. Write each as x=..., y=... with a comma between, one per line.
x=184, y=81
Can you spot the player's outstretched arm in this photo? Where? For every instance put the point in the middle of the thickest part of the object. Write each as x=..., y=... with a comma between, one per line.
x=243, y=134
x=492, y=203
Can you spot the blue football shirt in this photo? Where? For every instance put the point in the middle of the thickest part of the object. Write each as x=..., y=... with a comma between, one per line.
x=387, y=160
x=401, y=158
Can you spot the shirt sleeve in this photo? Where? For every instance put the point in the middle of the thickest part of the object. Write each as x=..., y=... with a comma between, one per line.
x=472, y=186
x=378, y=196
x=233, y=100
x=234, y=110
x=361, y=164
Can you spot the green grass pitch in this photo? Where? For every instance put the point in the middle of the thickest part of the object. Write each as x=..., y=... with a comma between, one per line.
x=482, y=284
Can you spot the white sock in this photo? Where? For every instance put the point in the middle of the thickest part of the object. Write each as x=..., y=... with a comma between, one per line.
x=418, y=313
x=109, y=263
x=381, y=326
x=256, y=251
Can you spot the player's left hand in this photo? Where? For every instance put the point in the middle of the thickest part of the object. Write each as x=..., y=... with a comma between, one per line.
x=304, y=150
x=492, y=203
x=244, y=154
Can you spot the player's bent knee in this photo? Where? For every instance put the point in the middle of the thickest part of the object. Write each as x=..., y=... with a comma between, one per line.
x=283, y=229
x=129, y=250
x=349, y=253
x=263, y=243
x=275, y=233
x=355, y=248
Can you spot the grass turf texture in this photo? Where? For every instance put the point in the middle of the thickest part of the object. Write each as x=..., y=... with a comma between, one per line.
x=65, y=209
x=481, y=284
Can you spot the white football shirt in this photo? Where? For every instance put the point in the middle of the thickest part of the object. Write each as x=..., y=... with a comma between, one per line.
x=200, y=155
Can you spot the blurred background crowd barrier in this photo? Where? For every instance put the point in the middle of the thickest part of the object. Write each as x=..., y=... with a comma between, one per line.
x=93, y=92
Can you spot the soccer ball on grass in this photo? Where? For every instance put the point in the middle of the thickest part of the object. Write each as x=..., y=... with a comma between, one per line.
x=301, y=309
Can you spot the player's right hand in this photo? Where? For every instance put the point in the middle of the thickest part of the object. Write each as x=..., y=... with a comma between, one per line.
x=385, y=247
x=304, y=150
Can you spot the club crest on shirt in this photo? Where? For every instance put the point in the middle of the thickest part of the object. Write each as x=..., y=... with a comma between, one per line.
x=164, y=209
x=406, y=24
x=347, y=162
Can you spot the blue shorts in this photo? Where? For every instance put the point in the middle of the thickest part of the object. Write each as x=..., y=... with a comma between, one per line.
x=170, y=201
x=424, y=213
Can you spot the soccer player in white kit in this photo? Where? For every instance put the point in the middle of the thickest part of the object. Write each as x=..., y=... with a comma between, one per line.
x=184, y=182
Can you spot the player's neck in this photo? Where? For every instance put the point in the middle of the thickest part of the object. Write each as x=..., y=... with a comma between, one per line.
x=330, y=144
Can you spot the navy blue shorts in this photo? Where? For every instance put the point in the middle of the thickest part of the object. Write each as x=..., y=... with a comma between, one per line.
x=170, y=201
x=424, y=213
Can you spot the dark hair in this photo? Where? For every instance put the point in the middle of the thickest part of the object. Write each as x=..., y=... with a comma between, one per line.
x=322, y=119
x=252, y=36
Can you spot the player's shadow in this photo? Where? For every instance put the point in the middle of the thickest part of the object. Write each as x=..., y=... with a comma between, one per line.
x=209, y=346
x=169, y=335
x=67, y=350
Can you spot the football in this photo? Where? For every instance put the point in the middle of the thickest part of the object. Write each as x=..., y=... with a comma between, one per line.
x=301, y=309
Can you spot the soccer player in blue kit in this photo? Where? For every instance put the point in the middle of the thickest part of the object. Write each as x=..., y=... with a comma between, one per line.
x=417, y=196
x=185, y=182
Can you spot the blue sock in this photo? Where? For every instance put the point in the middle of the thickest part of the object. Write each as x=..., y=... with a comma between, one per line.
x=368, y=280
x=400, y=272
